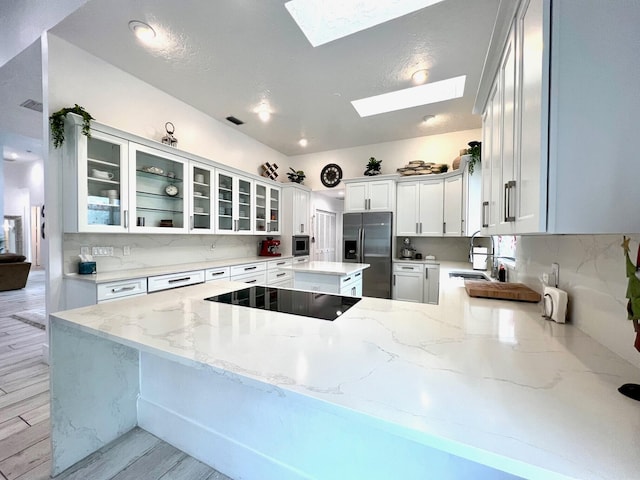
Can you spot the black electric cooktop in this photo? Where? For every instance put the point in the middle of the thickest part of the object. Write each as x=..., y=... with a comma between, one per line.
x=324, y=306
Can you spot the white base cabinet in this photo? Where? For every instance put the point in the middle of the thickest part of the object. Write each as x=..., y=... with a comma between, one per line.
x=416, y=282
x=350, y=285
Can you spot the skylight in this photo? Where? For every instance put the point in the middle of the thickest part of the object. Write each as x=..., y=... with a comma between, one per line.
x=323, y=21
x=411, y=97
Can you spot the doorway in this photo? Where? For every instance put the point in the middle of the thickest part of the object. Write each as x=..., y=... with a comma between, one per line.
x=325, y=239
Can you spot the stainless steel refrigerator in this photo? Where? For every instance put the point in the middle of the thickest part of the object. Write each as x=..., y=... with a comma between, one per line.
x=367, y=239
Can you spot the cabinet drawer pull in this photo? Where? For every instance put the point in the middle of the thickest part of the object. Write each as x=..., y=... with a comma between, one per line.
x=281, y=263
x=358, y=274
x=485, y=222
x=346, y=279
x=217, y=273
x=251, y=281
x=122, y=289
x=281, y=274
x=176, y=280
x=250, y=268
x=407, y=268
x=508, y=198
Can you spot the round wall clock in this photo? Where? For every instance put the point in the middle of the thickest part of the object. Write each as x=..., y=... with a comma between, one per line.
x=171, y=190
x=331, y=175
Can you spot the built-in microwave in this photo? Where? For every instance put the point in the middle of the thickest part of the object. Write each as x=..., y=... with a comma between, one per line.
x=300, y=245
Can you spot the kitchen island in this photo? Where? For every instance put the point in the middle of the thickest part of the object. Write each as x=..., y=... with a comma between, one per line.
x=469, y=388
x=330, y=277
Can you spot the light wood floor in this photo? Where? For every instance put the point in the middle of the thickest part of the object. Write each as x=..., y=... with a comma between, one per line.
x=25, y=449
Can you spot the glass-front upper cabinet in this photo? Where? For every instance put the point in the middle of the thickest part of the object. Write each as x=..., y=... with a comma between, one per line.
x=96, y=198
x=157, y=191
x=234, y=204
x=267, y=209
x=202, y=212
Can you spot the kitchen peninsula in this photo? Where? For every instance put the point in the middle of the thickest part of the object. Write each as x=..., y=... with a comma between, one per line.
x=469, y=388
x=330, y=277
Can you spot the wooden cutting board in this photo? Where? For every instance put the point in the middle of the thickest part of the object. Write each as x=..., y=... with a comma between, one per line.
x=502, y=291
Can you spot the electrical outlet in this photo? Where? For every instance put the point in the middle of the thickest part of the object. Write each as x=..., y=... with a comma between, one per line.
x=555, y=269
x=84, y=250
x=126, y=250
x=545, y=278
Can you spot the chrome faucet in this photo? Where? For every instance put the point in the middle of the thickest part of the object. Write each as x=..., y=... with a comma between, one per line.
x=471, y=245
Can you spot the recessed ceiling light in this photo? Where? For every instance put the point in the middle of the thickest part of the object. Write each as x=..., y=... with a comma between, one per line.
x=323, y=21
x=303, y=142
x=13, y=155
x=411, y=97
x=141, y=30
x=264, y=112
x=419, y=77
x=427, y=118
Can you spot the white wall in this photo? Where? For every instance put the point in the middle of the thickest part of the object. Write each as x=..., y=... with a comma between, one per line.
x=434, y=148
x=592, y=271
x=120, y=100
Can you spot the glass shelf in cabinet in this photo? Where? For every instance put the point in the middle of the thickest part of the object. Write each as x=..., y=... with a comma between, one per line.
x=157, y=176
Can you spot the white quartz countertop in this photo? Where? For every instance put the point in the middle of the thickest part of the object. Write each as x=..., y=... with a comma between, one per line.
x=328, y=268
x=487, y=380
x=131, y=273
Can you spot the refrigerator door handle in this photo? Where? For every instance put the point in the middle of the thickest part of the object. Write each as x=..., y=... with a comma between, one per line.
x=362, y=245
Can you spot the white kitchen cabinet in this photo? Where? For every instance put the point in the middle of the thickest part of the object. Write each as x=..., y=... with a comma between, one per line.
x=215, y=274
x=372, y=195
x=267, y=209
x=416, y=282
x=82, y=293
x=351, y=285
x=296, y=204
x=95, y=183
x=567, y=119
x=407, y=282
x=158, y=283
x=157, y=189
x=420, y=208
x=431, y=285
x=202, y=201
x=234, y=203
x=453, y=214
x=277, y=276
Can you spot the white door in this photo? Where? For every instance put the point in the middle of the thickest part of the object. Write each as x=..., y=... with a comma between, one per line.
x=325, y=235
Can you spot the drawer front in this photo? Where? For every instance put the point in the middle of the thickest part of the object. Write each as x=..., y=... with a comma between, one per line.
x=164, y=282
x=122, y=288
x=408, y=267
x=248, y=268
x=349, y=279
x=273, y=264
x=213, y=274
x=259, y=278
x=304, y=259
x=274, y=276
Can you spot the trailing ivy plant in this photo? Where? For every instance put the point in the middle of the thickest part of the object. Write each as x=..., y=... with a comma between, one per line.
x=475, y=149
x=56, y=120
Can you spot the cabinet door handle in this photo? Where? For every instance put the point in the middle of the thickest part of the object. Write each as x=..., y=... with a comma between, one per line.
x=126, y=219
x=508, y=217
x=250, y=268
x=176, y=280
x=462, y=227
x=353, y=291
x=444, y=227
x=394, y=280
x=191, y=222
x=417, y=228
x=485, y=206
x=122, y=289
x=421, y=228
x=426, y=273
x=302, y=228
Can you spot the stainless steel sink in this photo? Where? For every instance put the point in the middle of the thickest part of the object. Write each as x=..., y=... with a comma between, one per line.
x=469, y=275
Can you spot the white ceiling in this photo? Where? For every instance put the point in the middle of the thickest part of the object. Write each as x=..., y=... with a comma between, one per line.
x=227, y=56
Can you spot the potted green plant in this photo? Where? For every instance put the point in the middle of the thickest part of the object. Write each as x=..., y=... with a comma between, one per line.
x=296, y=176
x=56, y=121
x=373, y=167
x=474, y=150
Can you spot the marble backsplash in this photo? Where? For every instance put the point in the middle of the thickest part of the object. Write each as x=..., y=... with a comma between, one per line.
x=592, y=271
x=157, y=250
